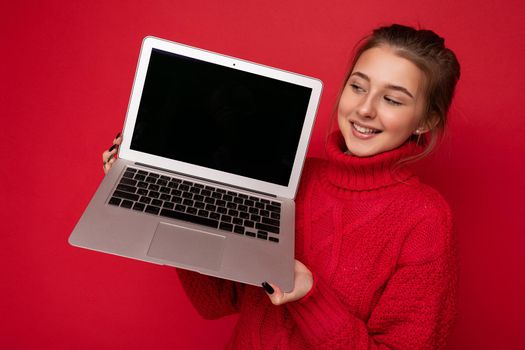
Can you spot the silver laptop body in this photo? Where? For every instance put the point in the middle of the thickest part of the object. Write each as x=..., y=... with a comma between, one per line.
x=205, y=180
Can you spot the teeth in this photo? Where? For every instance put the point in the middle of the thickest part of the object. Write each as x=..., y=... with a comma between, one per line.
x=364, y=130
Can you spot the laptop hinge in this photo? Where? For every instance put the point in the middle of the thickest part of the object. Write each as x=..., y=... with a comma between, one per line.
x=207, y=180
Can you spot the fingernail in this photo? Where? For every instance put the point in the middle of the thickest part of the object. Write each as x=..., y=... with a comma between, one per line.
x=267, y=288
x=113, y=147
x=118, y=135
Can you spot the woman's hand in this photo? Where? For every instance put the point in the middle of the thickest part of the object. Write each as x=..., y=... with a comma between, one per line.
x=303, y=282
x=108, y=157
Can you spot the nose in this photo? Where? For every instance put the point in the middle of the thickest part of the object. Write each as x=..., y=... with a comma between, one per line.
x=366, y=107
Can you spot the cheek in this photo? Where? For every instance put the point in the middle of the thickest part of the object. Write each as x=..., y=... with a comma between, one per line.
x=346, y=103
x=400, y=122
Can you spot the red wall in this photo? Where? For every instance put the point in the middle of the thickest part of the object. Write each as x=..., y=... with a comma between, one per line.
x=66, y=71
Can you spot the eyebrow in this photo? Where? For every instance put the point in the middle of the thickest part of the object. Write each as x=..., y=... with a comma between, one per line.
x=389, y=86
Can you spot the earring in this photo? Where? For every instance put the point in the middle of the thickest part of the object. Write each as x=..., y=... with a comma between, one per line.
x=417, y=131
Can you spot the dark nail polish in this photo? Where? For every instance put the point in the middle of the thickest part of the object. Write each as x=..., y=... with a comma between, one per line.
x=112, y=147
x=118, y=135
x=267, y=288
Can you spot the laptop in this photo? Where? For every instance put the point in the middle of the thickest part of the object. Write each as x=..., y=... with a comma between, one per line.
x=212, y=152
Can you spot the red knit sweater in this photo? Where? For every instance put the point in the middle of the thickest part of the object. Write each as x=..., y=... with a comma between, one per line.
x=380, y=248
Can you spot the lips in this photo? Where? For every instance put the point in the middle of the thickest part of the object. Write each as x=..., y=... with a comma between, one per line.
x=364, y=130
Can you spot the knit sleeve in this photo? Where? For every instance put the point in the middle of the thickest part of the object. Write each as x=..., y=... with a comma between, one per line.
x=212, y=297
x=415, y=310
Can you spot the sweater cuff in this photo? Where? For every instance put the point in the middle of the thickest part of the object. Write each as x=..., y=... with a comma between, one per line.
x=319, y=314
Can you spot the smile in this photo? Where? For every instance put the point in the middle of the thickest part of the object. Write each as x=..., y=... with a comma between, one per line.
x=364, y=130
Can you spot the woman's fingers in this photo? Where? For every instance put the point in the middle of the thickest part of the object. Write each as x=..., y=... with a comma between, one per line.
x=277, y=296
x=108, y=157
x=118, y=139
x=303, y=282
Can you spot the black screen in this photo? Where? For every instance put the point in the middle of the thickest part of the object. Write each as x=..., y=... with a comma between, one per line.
x=219, y=117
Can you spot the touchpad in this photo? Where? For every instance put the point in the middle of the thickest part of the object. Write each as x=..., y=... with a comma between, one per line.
x=187, y=246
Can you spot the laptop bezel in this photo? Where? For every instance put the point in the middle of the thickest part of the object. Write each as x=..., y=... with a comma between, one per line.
x=149, y=43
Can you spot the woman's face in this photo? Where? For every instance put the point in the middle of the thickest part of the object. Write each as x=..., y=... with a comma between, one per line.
x=382, y=103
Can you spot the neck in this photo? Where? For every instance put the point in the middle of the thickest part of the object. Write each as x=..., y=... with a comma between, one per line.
x=353, y=173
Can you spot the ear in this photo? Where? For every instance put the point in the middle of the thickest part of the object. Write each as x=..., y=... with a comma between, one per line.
x=430, y=123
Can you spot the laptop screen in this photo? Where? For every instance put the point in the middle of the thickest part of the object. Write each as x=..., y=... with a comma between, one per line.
x=220, y=117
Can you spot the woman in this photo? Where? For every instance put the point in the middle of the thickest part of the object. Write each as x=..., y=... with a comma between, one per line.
x=376, y=264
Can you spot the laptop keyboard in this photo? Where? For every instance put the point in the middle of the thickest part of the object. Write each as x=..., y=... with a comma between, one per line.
x=197, y=203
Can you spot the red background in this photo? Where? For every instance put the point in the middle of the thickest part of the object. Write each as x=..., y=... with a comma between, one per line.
x=66, y=73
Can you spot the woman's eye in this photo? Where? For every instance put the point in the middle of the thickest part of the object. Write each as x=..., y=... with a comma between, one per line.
x=392, y=102
x=357, y=88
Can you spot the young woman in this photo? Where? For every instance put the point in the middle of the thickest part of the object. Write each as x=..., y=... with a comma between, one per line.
x=376, y=265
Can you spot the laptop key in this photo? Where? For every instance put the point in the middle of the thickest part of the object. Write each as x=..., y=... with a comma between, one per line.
x=126, y=204
x=126, y=195
x=188, y=217
x=145, y=200
x=139, y=206
x=191, y=210
x=142, y=184
x=127, y=181
x=266, y=227
x=152, y=210
x=153, y=194
x=225, y=226
x=140, y=177
x=250, y=233
x=153, y=187
x=169, y=205
x=114, y=201
x=238, y=229
x=237, y=221
x=156, y=202
x=273, y=239
x=273, y=208
x=142, y=191
x=150, y=179
x=203, y=213
x=269, y=221
x=262, y=236
x=126, y=188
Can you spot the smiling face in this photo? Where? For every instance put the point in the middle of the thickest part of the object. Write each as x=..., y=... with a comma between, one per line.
x=382, y=103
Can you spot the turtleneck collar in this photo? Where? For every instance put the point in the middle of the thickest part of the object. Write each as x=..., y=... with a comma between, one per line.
x=348, y=172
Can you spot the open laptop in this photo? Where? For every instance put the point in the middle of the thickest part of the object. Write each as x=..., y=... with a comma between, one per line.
x=206, y=175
